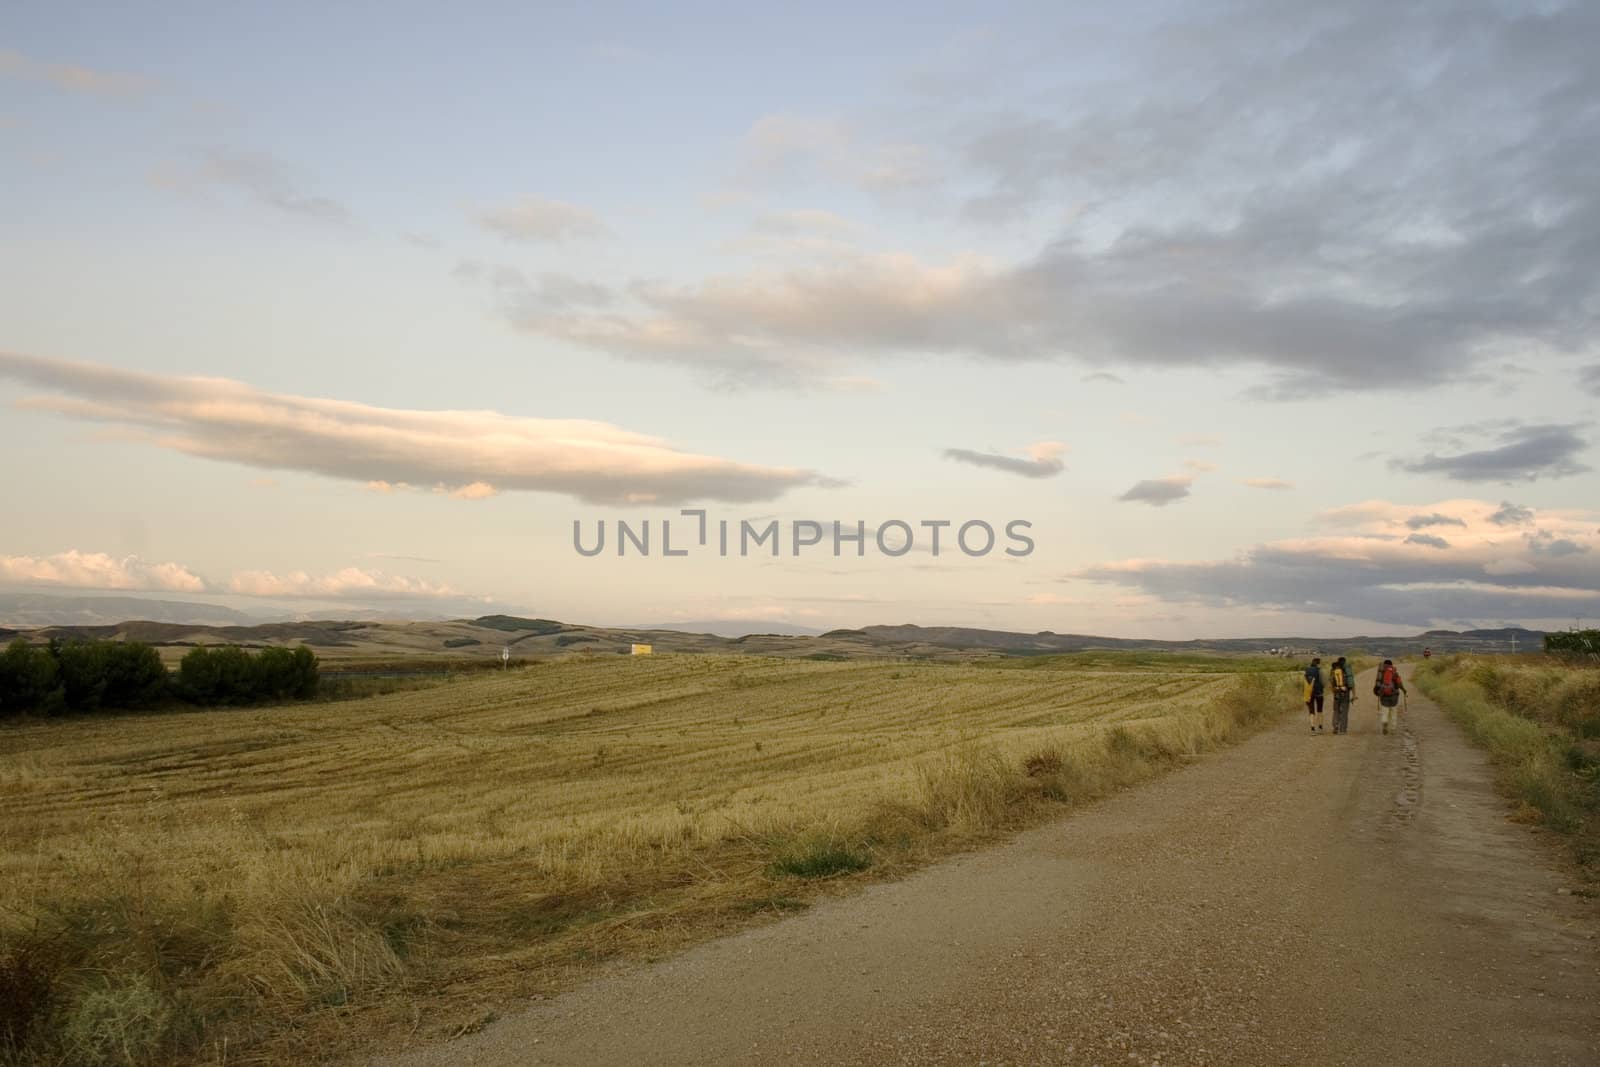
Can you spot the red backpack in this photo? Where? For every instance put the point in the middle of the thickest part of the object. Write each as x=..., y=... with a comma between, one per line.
x=1388, y=682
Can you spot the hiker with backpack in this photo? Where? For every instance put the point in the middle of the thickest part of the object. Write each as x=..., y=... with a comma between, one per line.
x=1313, y=694
x=1387, y=689
x=1343, y=693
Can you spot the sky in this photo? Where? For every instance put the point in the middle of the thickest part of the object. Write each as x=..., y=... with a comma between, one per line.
x=1262, y=317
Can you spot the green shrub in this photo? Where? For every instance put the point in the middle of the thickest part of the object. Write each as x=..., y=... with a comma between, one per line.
x=229, y=675
x=29, y=679
x=80, y=676
x=286, y=673
x=820, y=858
x=217, y=676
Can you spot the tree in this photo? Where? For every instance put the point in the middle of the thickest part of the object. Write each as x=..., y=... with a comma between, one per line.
x=29, y=680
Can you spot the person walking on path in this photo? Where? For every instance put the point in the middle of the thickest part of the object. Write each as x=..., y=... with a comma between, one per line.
x=1313, y=694
x=1387, y=689
x=1343, y=693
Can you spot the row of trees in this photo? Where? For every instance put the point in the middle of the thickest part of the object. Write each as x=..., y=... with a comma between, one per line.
x=64, y=678
x=1573, y=642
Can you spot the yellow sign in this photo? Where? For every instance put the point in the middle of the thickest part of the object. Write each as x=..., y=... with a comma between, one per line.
x=641, y=650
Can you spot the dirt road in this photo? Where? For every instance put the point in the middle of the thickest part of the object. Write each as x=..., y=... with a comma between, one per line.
x=1295, y=900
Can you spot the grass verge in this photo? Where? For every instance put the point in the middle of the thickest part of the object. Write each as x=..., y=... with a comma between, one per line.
x=1540, y=723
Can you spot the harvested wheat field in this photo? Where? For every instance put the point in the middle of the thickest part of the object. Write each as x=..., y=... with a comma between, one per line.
x=311, y=881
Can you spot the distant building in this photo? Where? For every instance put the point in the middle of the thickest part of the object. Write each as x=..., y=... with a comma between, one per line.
x=642, y=650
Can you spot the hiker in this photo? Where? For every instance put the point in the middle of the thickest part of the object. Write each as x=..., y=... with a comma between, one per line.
x=1387, y=689
x=1343, y=693
x=1313, y=692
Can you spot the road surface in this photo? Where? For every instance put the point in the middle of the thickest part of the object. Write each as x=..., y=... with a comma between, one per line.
x=1293, y=900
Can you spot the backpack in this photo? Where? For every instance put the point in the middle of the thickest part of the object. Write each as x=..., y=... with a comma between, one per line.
x=1388, y=682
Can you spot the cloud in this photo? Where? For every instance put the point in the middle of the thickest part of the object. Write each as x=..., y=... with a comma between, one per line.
x=1422, y=522
x=1429, y=540
x=1374, y=572
x=1546, y=543
x=1201, y=466
x=532, y=220
x=1589, y=379
x=1268, y=483
x=786, y=235
x=422, y=240
x=467, y=452
x=1525, y=454
x=1104, y=376
x=1044, y=460
x=14, y=64
x=795, y=148
x=1330, y=195
x=1051, y=600
x=261, y=178
x=474, y=491
x=96, y=570
x=1159, y=492
x=348, y=582
x=537, y=301
x=1510, y=514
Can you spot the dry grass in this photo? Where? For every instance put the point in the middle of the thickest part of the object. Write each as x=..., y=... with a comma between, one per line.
x=1539, y=719
x=282, y=884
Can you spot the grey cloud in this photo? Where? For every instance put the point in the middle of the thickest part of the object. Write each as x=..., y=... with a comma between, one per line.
x=1412, y=590
x=1263, y=184
x=1511, y=515
x=1104, y=376
x=1544, y=543
x=471, y=454
x=268, y=181
x=1422, y=522
x=1427, y=540
x=1525, y=453
x=1042, y=466
x=1158, y=492
x=529, y=300
x=1589, y=379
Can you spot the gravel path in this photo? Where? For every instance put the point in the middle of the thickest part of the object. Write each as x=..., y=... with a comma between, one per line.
x=1294, y=900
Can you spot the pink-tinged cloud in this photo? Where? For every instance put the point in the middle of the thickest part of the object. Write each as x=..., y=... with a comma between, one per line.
x=347, y=582
x=1268, y=483
x=532, y=220
x=97, y=570
x=470, y=454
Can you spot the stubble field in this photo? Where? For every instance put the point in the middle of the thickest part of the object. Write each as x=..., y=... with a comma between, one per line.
x=297, y=882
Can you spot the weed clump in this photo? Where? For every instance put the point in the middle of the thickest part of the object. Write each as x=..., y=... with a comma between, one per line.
x=820, y=858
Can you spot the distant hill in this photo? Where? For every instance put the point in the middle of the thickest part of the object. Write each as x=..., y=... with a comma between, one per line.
x=1045, y=642
x=734, y=628
x=362, y=640
x=44, y=609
